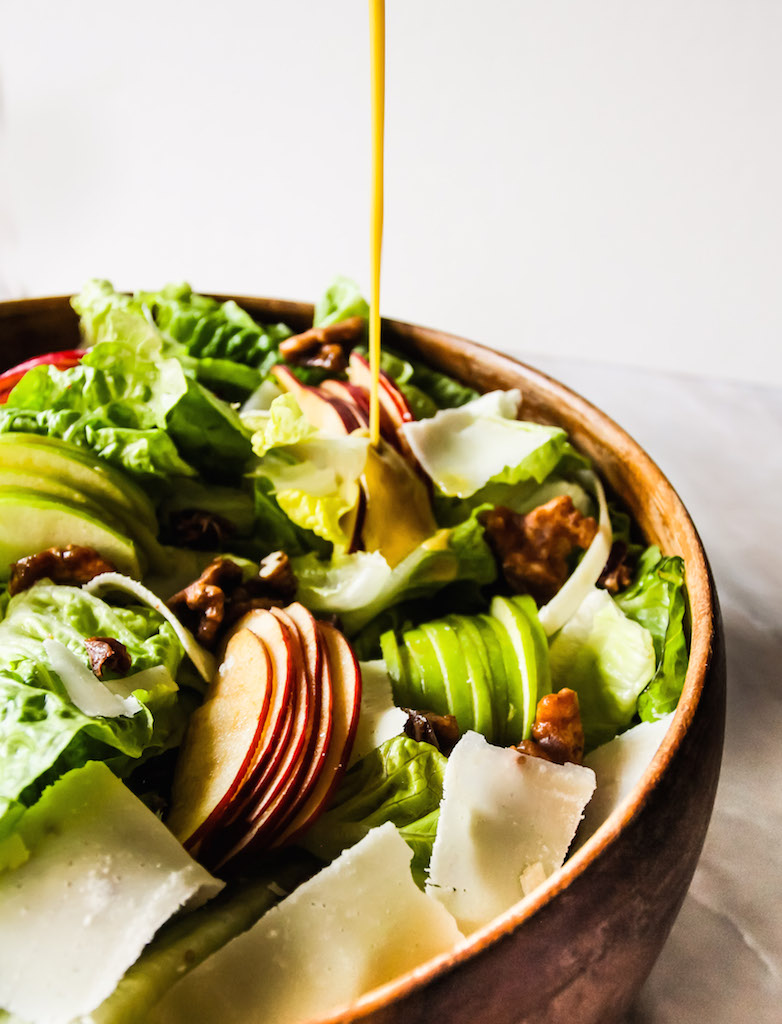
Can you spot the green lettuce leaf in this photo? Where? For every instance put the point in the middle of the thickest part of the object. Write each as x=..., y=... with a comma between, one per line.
x=402, y=782
x=215, y=334
x=42, y=732
x=608, y=659
x=315, y=477
x=656, y=600
x=133, y=406
x=360, y=586
x=341, y=300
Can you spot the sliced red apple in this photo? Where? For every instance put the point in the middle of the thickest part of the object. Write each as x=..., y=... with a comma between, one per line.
x=326, y=412
x=61, y=360
x=344, y=392
x=346, y=693
x=210, y=769
x=274, y=800
x=286, y=658
x=390, y=397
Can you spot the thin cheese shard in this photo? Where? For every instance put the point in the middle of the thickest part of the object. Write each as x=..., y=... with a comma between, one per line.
x=618, y=766
x=501, y=814
x=355, y=925
x=103, y=874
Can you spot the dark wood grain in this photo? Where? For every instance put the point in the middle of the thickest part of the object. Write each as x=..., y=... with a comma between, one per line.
x=579, y=948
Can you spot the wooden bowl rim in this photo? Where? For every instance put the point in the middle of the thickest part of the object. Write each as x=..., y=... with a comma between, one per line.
x=703, y=620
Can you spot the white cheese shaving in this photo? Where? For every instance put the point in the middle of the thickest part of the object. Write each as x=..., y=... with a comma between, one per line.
x=379, y=719
x=201, y=658
x=357, y=924
x=618, y=766
x=569, y=597
x=102, y=876
x=89, y=694
x=502, y=813
x=462, y=449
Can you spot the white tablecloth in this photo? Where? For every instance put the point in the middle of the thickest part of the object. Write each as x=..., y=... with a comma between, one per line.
x=720, y=444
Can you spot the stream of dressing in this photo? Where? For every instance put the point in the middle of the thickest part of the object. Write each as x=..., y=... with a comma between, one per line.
x=377, y=46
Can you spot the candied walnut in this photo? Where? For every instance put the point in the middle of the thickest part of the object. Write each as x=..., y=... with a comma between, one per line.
x=533, y=549
x=617, y=574
x=70, y=565
x=107, y=653
x=221, y=595
x=557, y=733
x=195, y=528
x=205, y=599
x=442, y=731
x=323, y=346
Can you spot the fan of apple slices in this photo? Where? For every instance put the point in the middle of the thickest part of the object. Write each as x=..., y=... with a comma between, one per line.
x=264, y=752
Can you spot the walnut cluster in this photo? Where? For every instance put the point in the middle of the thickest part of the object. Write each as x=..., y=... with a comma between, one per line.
x=221, y=595
x=107, y=653
x=442, y=731
x=323, y=347
x=557, y=733
x=69, y=565
x=533, y=549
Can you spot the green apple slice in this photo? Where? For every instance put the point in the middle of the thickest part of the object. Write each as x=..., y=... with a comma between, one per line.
x=432, y=696
x=450, y=656
x=400, y=679
x=49, y=487
x=476, y=663
x=72, y=465
x=32, y=522
x=517, y=618
x=497, y=671
x=513, y=692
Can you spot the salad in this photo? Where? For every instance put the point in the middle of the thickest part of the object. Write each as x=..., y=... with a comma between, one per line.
x=283, y=713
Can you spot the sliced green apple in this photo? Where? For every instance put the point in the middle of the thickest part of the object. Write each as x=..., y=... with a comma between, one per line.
x=69, y=464
x=521, y=623
x=432, y=696
x=33, y=522
x=478, y=673
x=450, y=656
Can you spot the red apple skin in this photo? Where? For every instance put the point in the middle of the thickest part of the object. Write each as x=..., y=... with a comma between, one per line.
x=277, y=728
x=350, y=395
x=262, y=821
x=346, y=683
x=238, y=701
x=276, y=800
x=323, y=411
x=63, y=360
x=392, y=399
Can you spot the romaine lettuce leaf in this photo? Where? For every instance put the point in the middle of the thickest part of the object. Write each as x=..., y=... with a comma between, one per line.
x=341, y=300
x=216, y=334
x=402, y=782
x=359, y=586
x=607, y=659
x=655, y=599
x=42, y=733
x=315, y=477
x=133, y=406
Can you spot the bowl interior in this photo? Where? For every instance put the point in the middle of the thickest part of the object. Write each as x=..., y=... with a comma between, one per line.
x=29, y=327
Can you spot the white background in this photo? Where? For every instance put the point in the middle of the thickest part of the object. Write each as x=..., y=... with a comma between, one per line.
x=564, y=177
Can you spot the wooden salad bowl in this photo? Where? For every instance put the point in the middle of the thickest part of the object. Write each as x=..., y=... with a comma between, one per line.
x=579, y=948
